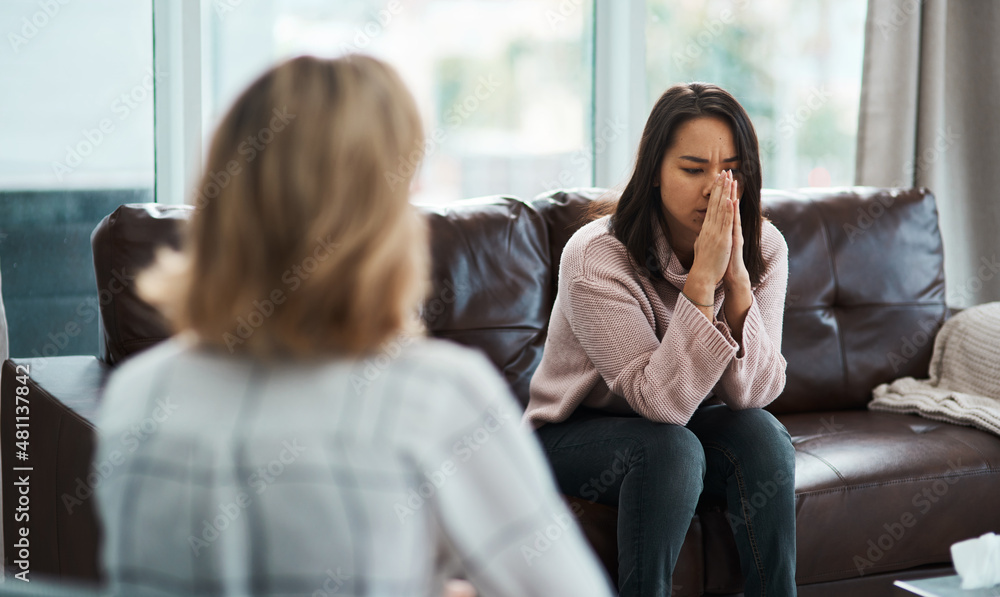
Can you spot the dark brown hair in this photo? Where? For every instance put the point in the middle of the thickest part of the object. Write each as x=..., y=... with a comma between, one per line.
x=640, y=210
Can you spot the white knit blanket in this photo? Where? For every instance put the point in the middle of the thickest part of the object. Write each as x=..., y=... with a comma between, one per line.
x=964, y=384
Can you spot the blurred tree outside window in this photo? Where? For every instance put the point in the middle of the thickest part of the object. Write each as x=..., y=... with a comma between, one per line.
x=794, y=66
x=503, y=88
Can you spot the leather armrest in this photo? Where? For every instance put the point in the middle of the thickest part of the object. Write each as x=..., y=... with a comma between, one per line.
x=57, y=399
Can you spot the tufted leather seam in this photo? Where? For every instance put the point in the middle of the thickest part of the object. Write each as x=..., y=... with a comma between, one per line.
x=113, y=359
x=973, y=448
x=59, y=518
x=836, y=293
x=868, y=305
x=893, y=482
x=826, y=462
x=892, y=567
x=496, y=328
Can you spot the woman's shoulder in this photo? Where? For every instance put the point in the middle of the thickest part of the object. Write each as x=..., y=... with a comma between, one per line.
x=136, y=378
x=772, y=243
x=442, y=360
x=440, y=367
x=446, y=384
x=594, y=250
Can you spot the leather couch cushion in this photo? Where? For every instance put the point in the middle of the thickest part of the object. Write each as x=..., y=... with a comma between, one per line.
x=123, y=244
x=875, y=493
x=565, y=212
x=865, y=292
x=908, y=487
x=491, y=286
x=63, y=395
x=491, y=282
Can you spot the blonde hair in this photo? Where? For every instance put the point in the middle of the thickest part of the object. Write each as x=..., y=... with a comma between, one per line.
x=303, y=241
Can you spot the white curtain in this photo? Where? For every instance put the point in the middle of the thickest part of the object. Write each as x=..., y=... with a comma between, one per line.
x=928, y=117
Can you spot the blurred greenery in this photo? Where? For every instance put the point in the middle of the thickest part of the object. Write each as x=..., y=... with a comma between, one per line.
x=776, y=57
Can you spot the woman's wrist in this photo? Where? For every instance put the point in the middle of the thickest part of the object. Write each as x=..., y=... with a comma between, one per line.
x=742, y=292
x=701, y=293
x=699, y=289
x=736, y=307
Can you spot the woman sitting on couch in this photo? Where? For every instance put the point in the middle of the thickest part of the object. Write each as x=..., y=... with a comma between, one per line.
x=678, y=296
x=272, y=460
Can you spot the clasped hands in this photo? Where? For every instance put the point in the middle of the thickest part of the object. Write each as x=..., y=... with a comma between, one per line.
x=718, y=255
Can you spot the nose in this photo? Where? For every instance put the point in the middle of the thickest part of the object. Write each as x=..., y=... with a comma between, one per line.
x=713, y=174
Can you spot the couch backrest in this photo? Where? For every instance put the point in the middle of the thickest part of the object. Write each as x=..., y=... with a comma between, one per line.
x=124, y=243
x=865, y=294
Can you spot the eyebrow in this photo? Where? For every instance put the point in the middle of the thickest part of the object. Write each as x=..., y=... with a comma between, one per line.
x=704, y=161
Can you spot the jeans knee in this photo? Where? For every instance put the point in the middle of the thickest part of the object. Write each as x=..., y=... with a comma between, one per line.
x=673, y=449
x=772, y=443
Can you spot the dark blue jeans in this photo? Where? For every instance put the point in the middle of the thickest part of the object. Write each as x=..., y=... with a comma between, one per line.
x=656, y=474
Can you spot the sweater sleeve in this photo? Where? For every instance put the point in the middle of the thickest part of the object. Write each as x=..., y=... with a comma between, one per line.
x=755, y=377
x=495, y=499
x=663, y=381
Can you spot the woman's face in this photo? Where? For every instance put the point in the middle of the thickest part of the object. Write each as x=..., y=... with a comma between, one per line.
x=702, y=148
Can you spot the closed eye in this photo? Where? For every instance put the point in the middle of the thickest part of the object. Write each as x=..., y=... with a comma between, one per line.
x=700, y=170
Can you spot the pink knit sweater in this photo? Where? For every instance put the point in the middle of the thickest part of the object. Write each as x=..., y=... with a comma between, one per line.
x=623, y=343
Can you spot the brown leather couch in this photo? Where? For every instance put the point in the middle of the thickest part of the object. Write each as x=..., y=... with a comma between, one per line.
x=879, y=496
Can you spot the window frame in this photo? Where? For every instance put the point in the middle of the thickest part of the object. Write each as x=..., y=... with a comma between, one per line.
x=178, y=109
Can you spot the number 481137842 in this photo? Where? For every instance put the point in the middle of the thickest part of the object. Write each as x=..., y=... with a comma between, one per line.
x=21, y=411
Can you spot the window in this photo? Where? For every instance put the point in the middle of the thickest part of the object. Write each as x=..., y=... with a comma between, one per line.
x=517, y=96
x=76, y=119
x=82, y=113
x=795, y=67
x=503, y=86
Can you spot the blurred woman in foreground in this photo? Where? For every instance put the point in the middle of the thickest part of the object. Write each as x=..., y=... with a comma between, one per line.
x=278, y=465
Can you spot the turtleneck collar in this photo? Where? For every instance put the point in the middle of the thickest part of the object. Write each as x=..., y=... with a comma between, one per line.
x=673, y=271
